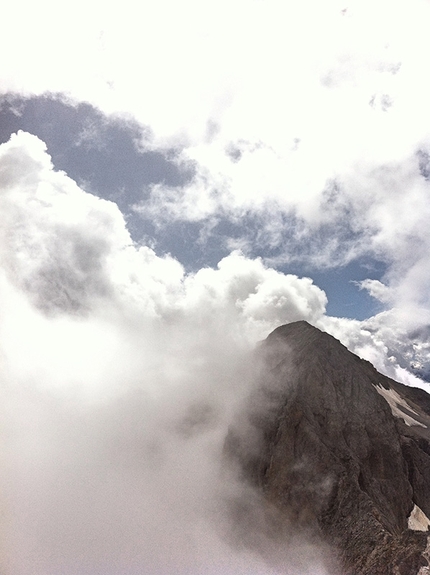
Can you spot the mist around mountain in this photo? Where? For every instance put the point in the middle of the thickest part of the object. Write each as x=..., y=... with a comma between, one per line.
x=341, y=452
x=127, y=474
x=121, y=374
x=117, y=431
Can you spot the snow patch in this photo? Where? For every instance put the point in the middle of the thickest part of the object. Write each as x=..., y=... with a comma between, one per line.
x=396, y=402
x=418, y=520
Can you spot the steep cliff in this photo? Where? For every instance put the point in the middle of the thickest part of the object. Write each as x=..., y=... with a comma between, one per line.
x=341, y=450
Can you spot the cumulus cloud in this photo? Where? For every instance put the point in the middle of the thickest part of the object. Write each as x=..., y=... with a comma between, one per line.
x=376, y=289
x=121, y=374
x=394, y=341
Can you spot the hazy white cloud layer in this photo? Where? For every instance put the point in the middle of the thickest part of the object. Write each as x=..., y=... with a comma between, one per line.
x=120, y=370
x=120, y=376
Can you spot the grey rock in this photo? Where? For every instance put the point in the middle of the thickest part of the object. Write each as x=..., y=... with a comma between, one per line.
x=339, y=450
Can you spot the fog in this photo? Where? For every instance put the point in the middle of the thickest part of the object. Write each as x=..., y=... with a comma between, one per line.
x=113, y=455
x=121, y=375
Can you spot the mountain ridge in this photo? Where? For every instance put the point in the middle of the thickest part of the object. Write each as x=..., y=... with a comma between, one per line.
x=342, y=450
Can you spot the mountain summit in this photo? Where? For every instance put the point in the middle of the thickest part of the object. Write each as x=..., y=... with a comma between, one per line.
x=342, y=450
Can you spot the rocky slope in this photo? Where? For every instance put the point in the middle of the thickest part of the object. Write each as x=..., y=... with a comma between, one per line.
x=341, y=450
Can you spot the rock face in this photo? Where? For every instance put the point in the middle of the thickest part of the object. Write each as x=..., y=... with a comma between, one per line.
x=342, y=450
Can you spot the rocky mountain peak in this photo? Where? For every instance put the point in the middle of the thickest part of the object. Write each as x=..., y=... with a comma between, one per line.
x=342, y=450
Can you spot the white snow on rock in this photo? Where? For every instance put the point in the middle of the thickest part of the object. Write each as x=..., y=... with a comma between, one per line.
x=418, y=520
x=396, y=402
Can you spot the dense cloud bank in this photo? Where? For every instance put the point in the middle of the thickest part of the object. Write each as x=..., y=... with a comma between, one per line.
x=120, y=377
x=121, y=374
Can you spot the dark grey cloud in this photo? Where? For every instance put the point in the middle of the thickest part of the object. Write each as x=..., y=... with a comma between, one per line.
x=73, y=274
x=423, y=157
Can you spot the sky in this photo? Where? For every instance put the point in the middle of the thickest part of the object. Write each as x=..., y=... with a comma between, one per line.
x=176, y=181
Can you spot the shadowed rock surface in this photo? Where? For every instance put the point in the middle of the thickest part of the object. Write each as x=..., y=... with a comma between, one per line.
x=341, y=450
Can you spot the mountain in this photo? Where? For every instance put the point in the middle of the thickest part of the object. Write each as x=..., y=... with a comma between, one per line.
x=340, y=450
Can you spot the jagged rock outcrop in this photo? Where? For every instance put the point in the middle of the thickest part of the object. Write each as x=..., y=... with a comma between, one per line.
x=340, y=449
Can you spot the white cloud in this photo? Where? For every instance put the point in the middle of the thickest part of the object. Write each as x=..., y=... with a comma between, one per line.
x=377, y=290
x=120, y=376
x=133, y=385
x=260, y=71
x=70, y=250
x=287, y=86
x=394, y=341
